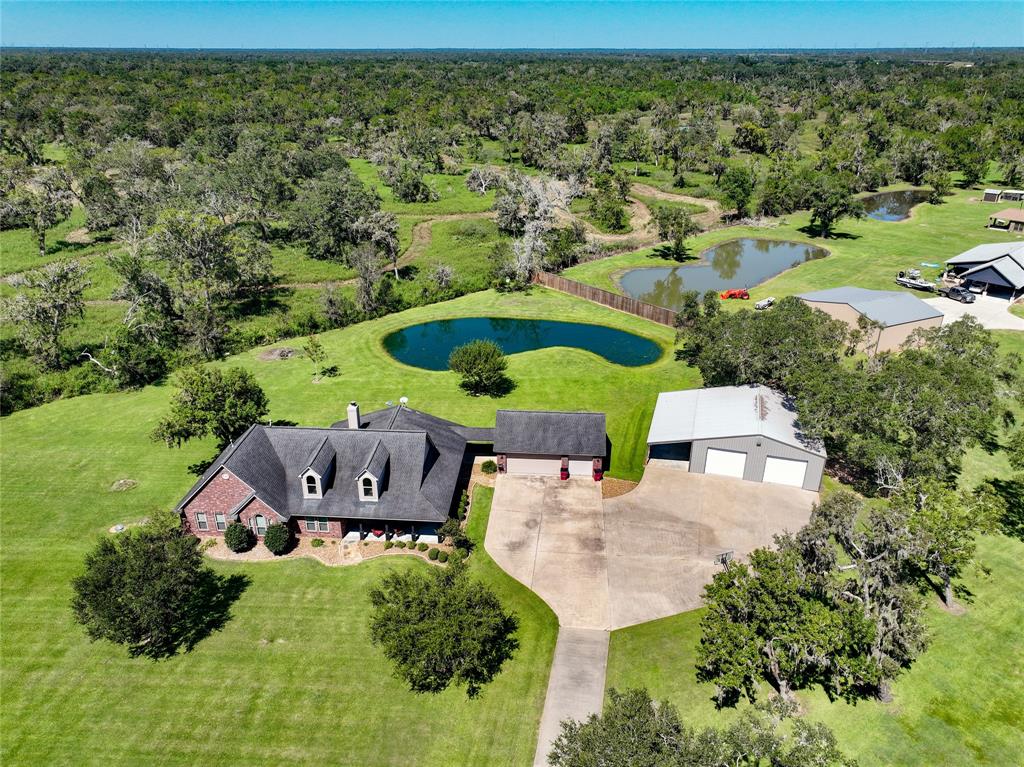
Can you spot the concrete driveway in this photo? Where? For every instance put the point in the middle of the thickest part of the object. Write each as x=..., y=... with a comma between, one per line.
x=641, y=556
x=993, y=313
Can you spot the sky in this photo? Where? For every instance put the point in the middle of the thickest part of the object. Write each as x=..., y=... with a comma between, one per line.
x=364, y=24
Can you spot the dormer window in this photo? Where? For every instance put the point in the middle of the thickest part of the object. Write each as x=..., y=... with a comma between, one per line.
x=368, y=489
x=312, y=488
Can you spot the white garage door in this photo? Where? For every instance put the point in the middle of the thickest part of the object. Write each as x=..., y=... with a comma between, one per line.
x=534, y=465
x=580, y=468
x=729, y=463
x=785, y=471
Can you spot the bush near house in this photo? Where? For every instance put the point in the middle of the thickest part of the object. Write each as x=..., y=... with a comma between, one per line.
x=422, y=546
x=316, y=543
x=489, y=467
x=276, y=539
x=442, y=556
x=432, y=555
x=238, y=537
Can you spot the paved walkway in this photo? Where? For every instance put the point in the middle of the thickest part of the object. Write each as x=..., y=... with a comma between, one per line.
x=576, y=684
x=602, y=564
x=993, y=313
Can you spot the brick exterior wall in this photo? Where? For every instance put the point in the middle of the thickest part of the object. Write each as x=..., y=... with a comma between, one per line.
x=220, y=496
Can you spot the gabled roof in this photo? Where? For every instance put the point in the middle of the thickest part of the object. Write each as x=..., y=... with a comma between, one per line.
x=989, y=252
x=1009, y=214
x=377, y=462
x=423, y=469
x=728, y=411
x=549, y=432
x=321, y=459
x=1011, y=271
x=886, y=307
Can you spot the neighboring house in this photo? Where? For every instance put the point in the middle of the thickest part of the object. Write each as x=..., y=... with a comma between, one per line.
x=392, y=472
x=551, y=443
x=747, y=432
x=893, y=315
x=996, y=268
x=1011, y=195
x=991, y=195
x=1008, y=220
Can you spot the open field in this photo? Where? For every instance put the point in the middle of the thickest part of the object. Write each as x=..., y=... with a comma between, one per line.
x=866, y=253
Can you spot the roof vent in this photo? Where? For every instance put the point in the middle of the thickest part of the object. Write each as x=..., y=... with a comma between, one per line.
x=403, y=401
x=353, y=415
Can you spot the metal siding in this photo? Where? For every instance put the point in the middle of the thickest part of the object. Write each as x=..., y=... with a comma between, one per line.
x=756, y=456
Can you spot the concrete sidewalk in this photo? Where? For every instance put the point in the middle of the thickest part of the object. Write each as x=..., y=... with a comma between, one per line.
x=576, y=684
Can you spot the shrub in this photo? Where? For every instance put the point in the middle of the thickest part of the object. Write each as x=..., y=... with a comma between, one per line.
x=316, y=543
x=463, y=503
x=277, y=538
x=442, y=556
x=400, y=544
x=482, y=364
x=389, y=545
x=421, y=546
x=452, y=532
x=489, y=467
x=432, y=554
x=238, y=537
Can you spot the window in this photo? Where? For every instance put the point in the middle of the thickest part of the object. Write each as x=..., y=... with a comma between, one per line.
x=325, y=526
x=367, y=487
x=317, y=525
x=259, y=524
x=311, y=485
x=201, y=522
x=221, y=521
x=310, y=524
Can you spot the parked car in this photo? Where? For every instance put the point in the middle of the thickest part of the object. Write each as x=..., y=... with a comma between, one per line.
x=735, y=293
x=764, y=303
x=957, y=293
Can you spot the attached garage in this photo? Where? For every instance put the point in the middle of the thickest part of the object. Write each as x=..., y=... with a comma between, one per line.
x=728, y=463
x=546, y=442
x=784, y=471
x=745, y=432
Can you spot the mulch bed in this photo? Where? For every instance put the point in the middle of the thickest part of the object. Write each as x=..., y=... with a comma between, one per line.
x=612, y=488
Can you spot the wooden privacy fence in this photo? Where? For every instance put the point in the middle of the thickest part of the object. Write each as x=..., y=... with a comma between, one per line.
x=650, y=312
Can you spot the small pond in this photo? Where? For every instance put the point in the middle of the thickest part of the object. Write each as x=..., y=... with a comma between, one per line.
x=893, y=206
x=429, y=344
x=741, y=263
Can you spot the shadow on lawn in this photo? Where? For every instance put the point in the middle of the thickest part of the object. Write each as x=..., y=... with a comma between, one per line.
x=209, y=610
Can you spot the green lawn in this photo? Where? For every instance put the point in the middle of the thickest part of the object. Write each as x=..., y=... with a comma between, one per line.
x=961, y=703
x=292, y=676
x=453, y=196
x=866, y=253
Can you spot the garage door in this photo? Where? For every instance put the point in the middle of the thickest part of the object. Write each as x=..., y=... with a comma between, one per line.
x=729, y=463
x=534, y=465
x=785, y=471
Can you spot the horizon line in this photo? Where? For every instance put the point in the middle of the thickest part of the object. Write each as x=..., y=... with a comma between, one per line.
x=477, y=49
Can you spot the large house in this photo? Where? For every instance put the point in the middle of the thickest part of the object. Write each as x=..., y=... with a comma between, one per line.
x=996, y=268
x=894, y=315
x=747, y=432
x=392, y=472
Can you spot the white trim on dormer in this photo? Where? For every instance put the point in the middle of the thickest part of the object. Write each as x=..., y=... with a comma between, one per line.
x=312, y=490
x=362, y=487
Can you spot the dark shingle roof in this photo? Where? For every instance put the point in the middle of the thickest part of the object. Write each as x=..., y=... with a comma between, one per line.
x=377, y=463
x=322, y=458
x=547, y=432
x=422, y=454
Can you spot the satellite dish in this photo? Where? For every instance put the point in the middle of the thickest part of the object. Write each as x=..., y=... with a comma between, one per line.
x=404, y=400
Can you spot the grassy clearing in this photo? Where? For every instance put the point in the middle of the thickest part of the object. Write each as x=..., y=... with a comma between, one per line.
x=961, y=703
x=866, y=253
x=293, y=670
x=454, y=197
x=581, y=208
x=653, y=202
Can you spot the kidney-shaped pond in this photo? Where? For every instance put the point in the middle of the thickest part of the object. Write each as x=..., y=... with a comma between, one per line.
x=893, y=206
x=739, y=263
x=429, y=344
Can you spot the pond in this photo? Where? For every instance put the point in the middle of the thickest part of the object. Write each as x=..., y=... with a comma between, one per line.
x=429, y=344
x=741, y=263
x=893, y=206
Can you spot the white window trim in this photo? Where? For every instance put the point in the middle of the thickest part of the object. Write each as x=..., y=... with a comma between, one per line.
x=220, y=523
x=201, y=521
x=255, y=527
x=373, y=485
x=305, y=485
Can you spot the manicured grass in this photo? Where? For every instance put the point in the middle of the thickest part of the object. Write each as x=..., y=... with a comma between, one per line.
x=866, y=253
x=292, y=676
x=961, y=703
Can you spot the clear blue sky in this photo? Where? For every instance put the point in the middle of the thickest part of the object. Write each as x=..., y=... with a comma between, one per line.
x=512, y=24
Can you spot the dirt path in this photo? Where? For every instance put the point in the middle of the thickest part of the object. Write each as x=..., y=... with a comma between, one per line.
x=707, y=220
x=423, y=233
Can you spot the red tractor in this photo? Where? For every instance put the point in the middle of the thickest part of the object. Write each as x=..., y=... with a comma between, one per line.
x=735, y=293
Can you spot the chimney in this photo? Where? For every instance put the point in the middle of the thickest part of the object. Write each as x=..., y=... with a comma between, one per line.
x=353, y=415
